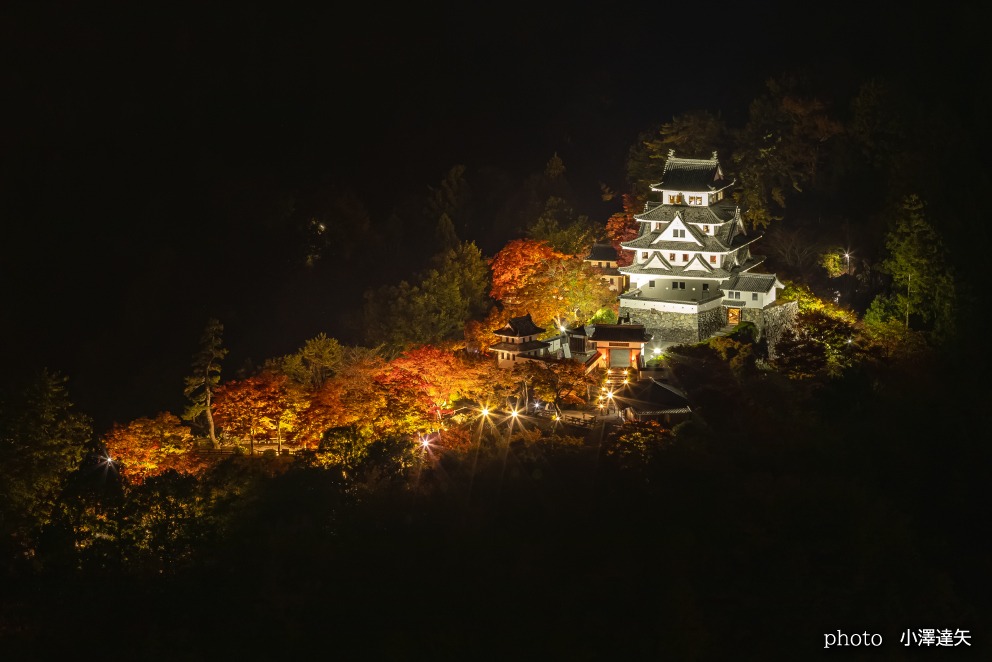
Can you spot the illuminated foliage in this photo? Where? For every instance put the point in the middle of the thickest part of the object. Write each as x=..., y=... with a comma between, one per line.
x=621, y=227
x=485, y=382
x=313, y=364
x=564, y=290
x=516, y=264
x=200, y=385
x=557, y=382
x=922, y=283
x=434, y=310
x=163, y=523
x=150, y=446
x=360, y=456
x=254, y=407
x=354, y=396
x=479, y=333
x=817, y=343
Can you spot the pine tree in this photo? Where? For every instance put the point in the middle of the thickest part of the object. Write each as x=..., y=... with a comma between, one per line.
x=200, y=386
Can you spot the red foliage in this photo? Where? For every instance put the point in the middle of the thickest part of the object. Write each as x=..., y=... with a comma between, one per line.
x=515, y=265
x=623, y=227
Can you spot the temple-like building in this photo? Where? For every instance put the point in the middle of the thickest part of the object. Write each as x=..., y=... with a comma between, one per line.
x=603, y=259
x=518, y=341
x=692, y=272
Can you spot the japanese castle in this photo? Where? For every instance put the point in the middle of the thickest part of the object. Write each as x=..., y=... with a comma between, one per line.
x=692, y=272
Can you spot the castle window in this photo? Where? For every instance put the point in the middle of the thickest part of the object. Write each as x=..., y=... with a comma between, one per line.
x=706, y=287
x=644, y=255
x=676, y=285
x=695, y=199
x=650, y=283
x=671, y=257
x=754, y=296
x=685, y=257
x=706, y=229
x=712, y=259
x=678, y=234
x=672, y=199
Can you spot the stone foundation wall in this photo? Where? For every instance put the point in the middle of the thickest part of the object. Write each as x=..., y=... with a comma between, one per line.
x=692, y=327
x=674, y=327
x=711, y=321
x=775, y=320
x=678, y=327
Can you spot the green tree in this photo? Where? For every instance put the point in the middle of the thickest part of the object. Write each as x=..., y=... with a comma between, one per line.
x=42, y=441
x=921, y=279
x=313, y=364
x=445, y=237
x=200, y=385
x=563, y=229
x=434, y=310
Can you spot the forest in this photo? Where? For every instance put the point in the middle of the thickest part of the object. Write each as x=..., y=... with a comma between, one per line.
x=409, y=509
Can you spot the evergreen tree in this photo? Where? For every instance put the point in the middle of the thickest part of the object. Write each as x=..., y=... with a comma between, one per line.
x=42, y=441
x=200, y=385
x=444, y=234
x=921, y=281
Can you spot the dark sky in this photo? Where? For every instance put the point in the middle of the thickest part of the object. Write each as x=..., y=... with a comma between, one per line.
x=139, y=143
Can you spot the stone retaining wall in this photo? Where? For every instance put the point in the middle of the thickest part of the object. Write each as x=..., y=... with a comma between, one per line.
x=691, y=328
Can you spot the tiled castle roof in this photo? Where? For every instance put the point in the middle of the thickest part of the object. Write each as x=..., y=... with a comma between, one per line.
x=602, y=253
x=692, y=175
x=518, y=327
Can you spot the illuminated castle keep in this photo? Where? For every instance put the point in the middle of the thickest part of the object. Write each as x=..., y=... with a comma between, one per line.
x=692, y=270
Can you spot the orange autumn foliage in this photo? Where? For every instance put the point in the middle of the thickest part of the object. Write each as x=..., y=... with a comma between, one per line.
x=517, y=263
x=147, y=447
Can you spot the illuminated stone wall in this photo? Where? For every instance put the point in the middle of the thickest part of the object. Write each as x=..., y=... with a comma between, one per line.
x=678, y=327
x=771, y=321
x=690, y=328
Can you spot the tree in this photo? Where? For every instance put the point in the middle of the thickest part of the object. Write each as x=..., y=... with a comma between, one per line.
x=436, y=309
x=448, y=205
x=445, y=236
x=634, y=447
x=565, y=289
x=253, y=406
x=313, y=364
x=622, y=227
x=518, y=262
x=795, y=250
x=921, y=279
x=354, y=396
x=818, y=343
x=557, y=382
x=42, y=442
x=148, y=447
x=779, y=149
x=200, y=385
x=563, y=229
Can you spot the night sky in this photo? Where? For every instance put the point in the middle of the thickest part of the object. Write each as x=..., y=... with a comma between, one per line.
x=143, y=149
